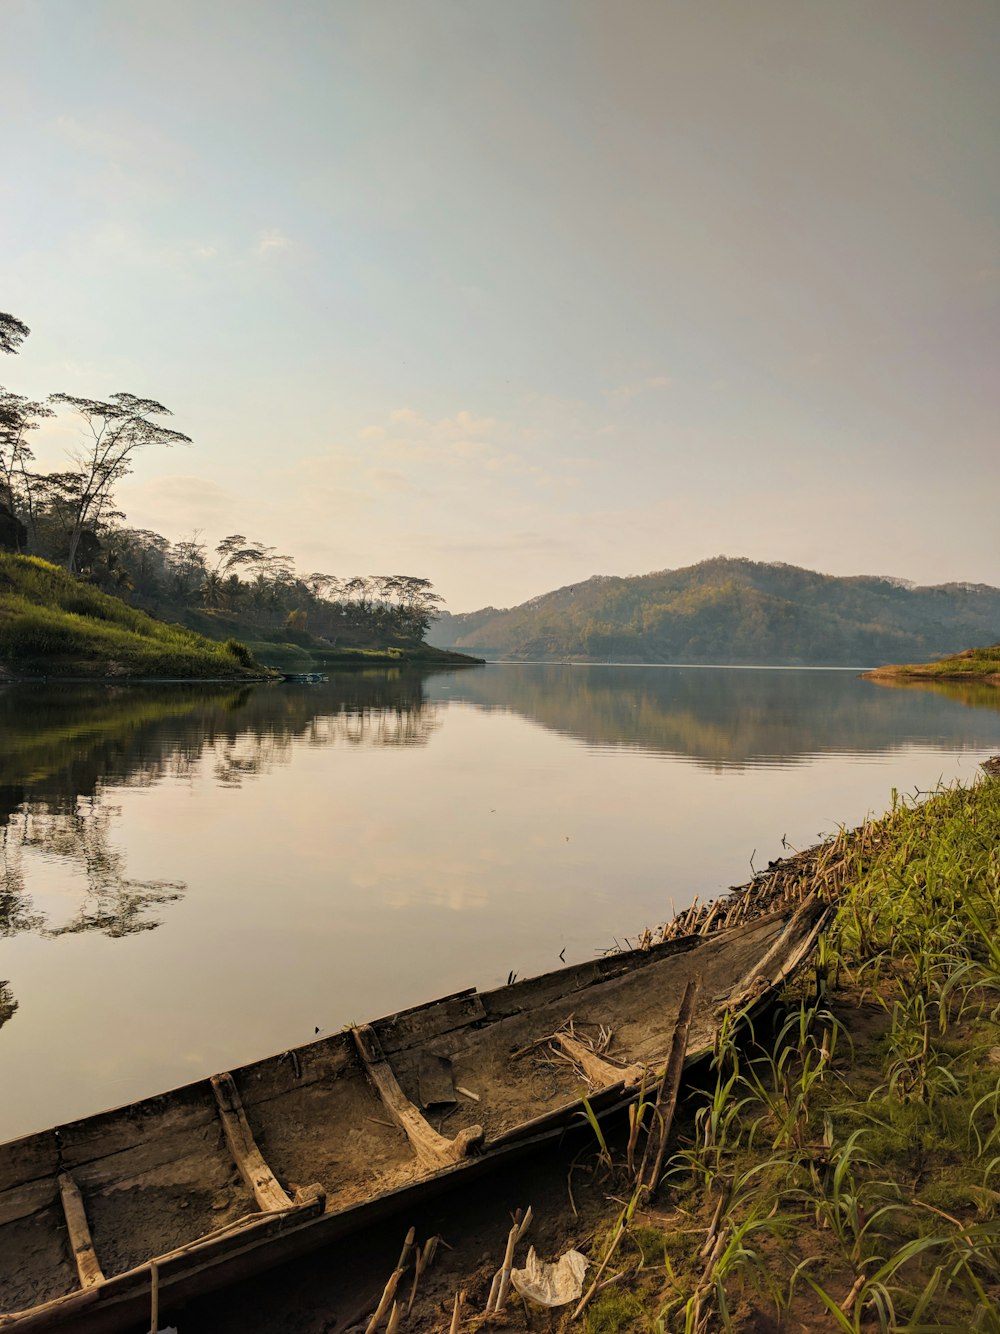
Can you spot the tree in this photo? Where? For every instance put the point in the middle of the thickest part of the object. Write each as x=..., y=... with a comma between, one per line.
x=117, y=429
x=13, y=332
x=17, y=415
x=18, y=486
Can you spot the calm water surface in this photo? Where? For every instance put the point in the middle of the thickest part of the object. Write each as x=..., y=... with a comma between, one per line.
x=191, y=877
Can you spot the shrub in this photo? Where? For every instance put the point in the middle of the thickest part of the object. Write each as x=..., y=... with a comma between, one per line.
x=240, y=652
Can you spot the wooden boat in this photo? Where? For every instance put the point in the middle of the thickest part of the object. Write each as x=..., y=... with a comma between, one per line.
x=208, y=1183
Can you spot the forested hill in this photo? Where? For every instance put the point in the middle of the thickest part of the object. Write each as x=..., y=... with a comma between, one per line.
x=733, y=611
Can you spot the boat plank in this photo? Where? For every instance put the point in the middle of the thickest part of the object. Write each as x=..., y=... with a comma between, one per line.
x=23, y=1160
x=366, y=1153
x=178, y=1113
x=23, y=1201
x=532, y=992
x=327, y=1058
x=399, y=1032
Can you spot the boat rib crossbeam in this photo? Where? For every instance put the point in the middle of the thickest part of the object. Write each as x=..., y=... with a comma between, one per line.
x=267, y=1190
x=431, y=1149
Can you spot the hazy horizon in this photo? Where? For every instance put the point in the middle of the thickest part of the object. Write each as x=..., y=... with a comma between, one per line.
x=510, y=296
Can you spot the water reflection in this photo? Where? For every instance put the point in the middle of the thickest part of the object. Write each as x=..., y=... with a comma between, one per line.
x=728, y=717
x=974, y=694
x=63, y=750
x=7, y=1003
x=80, y=838
x=205, y=874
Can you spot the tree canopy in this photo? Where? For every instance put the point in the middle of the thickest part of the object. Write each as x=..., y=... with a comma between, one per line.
x=13, y=332
x=69, y=516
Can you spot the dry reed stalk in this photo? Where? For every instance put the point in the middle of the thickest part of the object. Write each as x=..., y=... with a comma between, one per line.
x=456, y=1314
x=847, y=1304
x=521, y=1226
x=494, y=1289
x=389, y=1291
x=591, y=1291
x=713, y=1226
x=421, y=1260
x=703, y=929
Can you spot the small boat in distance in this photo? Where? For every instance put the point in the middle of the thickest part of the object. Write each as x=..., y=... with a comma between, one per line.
x=207, y=1184
x=304, y=678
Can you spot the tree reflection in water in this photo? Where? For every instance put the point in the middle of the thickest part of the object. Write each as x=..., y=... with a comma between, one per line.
x=66, y=750
x=80, y=835
x=7, y=1003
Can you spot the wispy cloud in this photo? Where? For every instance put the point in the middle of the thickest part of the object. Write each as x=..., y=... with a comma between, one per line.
x=270, y=240
x=123, y=141
x=624, y=392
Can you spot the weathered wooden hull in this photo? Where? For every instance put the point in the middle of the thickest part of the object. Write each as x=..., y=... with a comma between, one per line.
x=208, y=1183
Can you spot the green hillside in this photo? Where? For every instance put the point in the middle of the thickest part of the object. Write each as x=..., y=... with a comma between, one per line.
x=733, y=611
x=53, y=625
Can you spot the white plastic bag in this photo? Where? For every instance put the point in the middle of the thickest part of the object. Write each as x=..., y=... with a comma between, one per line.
x=551, y=1284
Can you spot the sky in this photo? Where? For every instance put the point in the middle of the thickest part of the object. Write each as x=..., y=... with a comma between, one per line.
x=506, y=295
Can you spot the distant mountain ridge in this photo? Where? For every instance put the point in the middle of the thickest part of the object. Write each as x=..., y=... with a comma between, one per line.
x=733, y=611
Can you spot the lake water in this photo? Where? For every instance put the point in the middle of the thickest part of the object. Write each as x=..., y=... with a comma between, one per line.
x=191, y=878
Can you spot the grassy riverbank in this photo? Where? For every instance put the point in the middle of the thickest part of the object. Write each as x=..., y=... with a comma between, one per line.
x=53, y=625
x=840, y=1170
x=974, y=664
x=844, y=1173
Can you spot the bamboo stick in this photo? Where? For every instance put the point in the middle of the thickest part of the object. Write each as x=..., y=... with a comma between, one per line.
x=154, y=1297
x=666, y=1100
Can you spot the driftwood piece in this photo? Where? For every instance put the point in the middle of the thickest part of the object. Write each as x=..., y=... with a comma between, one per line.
x=81, y=1242
x=432, y=1150
x=265, y=1186
x=598, y=1072
x=666, y=1099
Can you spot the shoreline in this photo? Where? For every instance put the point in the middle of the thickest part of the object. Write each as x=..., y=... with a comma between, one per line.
x=904, y=674
x=368, y=662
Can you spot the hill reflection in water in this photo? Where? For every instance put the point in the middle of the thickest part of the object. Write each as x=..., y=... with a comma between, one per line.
x=727, y=716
